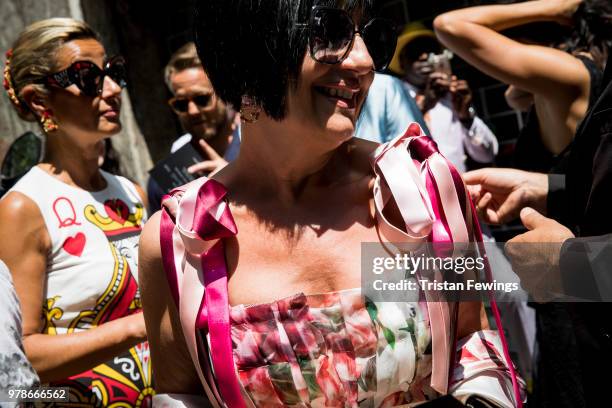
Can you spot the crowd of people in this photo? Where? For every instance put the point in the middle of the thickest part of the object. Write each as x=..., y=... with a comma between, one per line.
x=316, y=127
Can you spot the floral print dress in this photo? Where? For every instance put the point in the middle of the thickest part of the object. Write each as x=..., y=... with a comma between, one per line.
x=332, y=350
x=336, y=349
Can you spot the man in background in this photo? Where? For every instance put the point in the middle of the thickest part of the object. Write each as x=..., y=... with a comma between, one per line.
x=210, y=125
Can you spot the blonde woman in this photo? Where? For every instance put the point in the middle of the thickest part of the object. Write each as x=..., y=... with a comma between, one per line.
x=69, y=230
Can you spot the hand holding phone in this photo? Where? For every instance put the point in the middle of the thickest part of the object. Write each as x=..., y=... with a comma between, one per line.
x=441, y=62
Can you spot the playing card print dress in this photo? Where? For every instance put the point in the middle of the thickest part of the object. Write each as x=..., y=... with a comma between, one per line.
x=91, y=278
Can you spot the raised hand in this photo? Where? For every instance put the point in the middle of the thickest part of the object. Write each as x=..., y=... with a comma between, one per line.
x=535, y=254
x=215, y=163
x=438, y=85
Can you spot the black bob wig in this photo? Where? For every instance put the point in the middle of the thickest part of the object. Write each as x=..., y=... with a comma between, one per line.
x=254, y=48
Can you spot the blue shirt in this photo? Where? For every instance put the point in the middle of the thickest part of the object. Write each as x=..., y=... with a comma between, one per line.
x=387, y=110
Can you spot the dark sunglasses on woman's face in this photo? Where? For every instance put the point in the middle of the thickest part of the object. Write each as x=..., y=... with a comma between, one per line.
x=88, y=77
x=332, y=34
x=181, y=104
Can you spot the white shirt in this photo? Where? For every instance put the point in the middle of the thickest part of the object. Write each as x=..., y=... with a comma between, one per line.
x=453, y=139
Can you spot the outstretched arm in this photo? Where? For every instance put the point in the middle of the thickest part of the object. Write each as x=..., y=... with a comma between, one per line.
x=473, y=34
x=500, y=194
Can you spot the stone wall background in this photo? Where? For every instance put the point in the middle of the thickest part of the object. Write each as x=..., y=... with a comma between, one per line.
x=16, y=14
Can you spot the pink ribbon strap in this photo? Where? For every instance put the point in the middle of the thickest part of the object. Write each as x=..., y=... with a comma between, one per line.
x=202, y=220
x=489, y=275
x=440, y=216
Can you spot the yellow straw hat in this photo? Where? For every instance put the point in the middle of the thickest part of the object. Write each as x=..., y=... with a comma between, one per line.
x=411, y=32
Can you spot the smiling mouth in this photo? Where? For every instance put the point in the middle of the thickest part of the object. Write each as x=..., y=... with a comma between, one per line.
x=344, y=97
x=111, y=113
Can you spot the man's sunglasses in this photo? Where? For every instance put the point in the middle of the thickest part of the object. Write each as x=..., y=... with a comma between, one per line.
x=332, y=34
x=181, y=104
x=88, y=77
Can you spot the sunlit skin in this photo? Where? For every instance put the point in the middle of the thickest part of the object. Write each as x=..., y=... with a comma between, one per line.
x=330, y=120
x=316, y=178
x=80, y=117
x=558, y=81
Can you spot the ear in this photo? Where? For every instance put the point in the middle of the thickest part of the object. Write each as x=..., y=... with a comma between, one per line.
x=36, y=101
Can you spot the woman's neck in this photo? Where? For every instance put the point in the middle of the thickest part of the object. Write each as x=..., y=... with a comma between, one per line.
x=274, y=159
x=72, y=164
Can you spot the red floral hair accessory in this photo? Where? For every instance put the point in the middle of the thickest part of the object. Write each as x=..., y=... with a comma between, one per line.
x=7, y=82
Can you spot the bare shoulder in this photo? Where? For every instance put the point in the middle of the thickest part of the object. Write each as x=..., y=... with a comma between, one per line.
x=151, y=276
x=21, y=217
x=174, y=371
x=18, y=205
x=149, y=255
x=142, y=194
x=360, y=152
x=149, y=247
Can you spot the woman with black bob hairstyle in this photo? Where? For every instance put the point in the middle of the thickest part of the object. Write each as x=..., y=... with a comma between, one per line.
x=274, y=315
